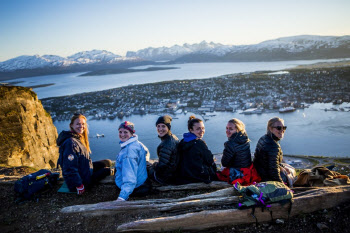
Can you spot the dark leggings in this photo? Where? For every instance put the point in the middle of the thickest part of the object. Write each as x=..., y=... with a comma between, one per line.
x=101, y=169
x=141, y=191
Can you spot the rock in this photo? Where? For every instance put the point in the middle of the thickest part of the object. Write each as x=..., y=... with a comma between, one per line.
x=279, y=221
x=322, y=226
x=27, y=134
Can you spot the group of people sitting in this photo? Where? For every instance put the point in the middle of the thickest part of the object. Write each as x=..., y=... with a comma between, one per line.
x=179, y=162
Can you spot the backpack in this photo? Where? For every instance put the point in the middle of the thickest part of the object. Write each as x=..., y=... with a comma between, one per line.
x=263, y=194
x=29, y=185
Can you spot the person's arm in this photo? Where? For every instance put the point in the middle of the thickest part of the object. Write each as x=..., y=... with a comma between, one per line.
x=228, y=155
x=164, y=155
x=70, y=168
x=273, y=164
x=208, y=157
x=129, y=173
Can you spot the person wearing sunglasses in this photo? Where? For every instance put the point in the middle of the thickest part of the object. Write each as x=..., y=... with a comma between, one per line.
x=78, y=170
x=268, y=153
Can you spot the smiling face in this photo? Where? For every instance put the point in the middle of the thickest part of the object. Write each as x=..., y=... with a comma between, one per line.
x=230, y=129
x=124, y=134
x=198, y=129
x=78, y=126
x=278, y=133
x=162, y=129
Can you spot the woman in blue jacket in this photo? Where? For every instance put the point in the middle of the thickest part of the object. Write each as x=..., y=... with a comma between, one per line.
x=131, y=173
x=78, y=171
x=196, y=162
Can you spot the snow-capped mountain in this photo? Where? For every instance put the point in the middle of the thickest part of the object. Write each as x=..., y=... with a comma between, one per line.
x=94, y=56
x=295, y=47
x=176, y=51
x=32, y=62
x=286, y=48
x=303, y=43
x=49, y=61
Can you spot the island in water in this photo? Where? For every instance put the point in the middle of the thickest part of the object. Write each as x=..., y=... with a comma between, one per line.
x=125, y=70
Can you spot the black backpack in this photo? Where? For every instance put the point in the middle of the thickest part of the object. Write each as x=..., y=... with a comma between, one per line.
x=34, y=183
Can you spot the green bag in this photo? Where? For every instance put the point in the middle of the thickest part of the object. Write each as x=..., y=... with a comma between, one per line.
x=264, y=193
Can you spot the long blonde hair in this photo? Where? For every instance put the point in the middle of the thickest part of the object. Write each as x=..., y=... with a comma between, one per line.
x=84, y=138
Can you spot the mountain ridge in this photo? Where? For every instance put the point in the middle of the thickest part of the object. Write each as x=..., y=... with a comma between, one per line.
x=284, y=48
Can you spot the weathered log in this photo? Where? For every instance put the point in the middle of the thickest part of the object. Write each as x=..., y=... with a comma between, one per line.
x=193, y=186
x=321, y=198
x=179, y=207
x=221, y=197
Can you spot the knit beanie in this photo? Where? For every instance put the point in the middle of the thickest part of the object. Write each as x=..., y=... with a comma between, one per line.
x=166, y=120
x=127, y=125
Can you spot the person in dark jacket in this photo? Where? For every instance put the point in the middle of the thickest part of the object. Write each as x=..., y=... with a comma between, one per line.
x=268, y=153
x=196, y=162
x=236, y=153
x=78, y=171
x=164, y=170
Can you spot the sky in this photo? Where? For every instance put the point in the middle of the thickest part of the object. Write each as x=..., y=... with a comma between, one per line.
x=65, y=27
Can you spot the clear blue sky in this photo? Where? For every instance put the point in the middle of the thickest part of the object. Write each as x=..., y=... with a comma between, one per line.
x=64, y=27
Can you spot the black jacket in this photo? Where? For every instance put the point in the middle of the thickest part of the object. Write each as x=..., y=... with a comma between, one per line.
x=237, y=152
x=74, y=160
x=165, y=168
x=196, y=163
x=268, y=157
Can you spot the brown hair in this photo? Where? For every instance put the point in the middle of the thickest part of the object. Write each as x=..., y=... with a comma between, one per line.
x=191, y=121
x=84, y=138
x=273, y=121
x=240, y=126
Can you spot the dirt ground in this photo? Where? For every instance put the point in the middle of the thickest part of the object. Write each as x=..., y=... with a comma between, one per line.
x=43, y=214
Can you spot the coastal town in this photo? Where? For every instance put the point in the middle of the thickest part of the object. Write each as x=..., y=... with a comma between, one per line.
x=248, y=93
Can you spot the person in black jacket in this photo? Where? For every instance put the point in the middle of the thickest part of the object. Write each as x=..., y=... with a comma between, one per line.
x=196, y=162
x=78, y=171
x=236, y=153
x=268, y=153
x=164, y=170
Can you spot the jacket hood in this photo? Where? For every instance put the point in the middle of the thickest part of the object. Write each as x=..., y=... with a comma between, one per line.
x=189, y=137
x=239, y=137
x=64, y=135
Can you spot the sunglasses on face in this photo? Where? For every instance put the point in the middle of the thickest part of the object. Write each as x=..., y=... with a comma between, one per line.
x=279, y=128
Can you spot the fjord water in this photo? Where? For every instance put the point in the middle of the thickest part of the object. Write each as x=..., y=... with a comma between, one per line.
x=311, y=131
x=72, y=83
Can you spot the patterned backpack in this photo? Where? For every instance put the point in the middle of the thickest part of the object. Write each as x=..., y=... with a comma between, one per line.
x=263, y=194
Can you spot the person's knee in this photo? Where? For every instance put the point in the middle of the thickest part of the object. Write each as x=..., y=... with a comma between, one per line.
x=107, y=162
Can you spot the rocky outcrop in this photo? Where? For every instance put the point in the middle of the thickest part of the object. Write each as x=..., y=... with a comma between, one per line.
x=27, y=134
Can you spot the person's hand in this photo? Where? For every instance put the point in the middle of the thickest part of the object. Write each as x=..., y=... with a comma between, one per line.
x=80, y=189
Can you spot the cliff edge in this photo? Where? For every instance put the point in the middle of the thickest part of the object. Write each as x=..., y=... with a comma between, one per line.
x=27, y=134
